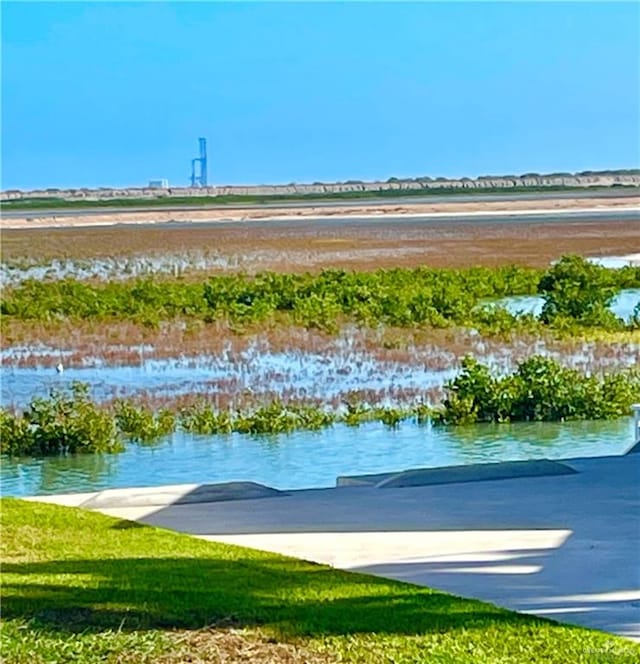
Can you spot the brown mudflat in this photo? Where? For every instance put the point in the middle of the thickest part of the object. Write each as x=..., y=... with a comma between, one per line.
x=298, y=245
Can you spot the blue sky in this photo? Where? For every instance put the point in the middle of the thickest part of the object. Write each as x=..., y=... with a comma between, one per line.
x=115, y=94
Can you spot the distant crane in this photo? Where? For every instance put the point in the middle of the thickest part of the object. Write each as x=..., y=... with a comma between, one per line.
x=59, y=368
x=199, y=166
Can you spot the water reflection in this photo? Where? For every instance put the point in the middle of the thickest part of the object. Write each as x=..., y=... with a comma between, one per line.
x=54, y=475
x=295, y=374
x=622, y=305
x=312, y=459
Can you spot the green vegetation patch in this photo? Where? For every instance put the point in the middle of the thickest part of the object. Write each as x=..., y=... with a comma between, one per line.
x=420, y=297
x=540, y=389
x=83, y=587
x=69, y=422
x=401, y=297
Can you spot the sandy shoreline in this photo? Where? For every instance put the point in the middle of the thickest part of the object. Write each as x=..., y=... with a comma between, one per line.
x=66, y=220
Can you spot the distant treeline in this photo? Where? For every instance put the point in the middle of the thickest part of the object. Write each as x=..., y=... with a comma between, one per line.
x=393, y=187
x=261, y=199
x=523, y=176
x=251, y=199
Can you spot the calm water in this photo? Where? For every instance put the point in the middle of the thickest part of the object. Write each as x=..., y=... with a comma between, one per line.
x=622, y=305
x=301, y=375
x=291, y=374
x=311, y=459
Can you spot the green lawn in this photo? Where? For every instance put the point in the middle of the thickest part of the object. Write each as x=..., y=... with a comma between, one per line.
x=81, y=587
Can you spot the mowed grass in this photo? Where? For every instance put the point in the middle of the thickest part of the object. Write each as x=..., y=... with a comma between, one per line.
x=82, y=587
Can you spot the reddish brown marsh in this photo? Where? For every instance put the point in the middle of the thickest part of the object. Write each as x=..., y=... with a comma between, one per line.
x=304, y=245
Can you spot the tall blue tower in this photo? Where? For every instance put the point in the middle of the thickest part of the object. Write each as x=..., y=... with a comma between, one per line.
x=199, y=173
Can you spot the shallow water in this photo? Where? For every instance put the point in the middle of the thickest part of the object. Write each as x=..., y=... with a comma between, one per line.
x=326, y=375
x=622, y=305
x=127, y=267
x=312, y=459
x=616, y=262
x=301, y=375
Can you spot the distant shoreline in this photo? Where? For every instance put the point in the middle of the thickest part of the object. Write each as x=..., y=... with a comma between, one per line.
x=381, y=211
x=320, y=191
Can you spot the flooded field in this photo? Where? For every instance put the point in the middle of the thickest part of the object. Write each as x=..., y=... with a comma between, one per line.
x=299, y=245
x=291, y=376
x=181, y=360
x=119, y=268
x=254, y=371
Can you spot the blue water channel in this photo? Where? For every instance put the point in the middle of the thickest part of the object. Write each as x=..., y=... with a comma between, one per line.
x=311, y=459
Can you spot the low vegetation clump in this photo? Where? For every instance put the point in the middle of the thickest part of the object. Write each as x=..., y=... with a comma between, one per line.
x=140, y=425
x=576, y=291
x=540, y=390
x=83, y=587
x=576, y=294
x=68, y=422
x=274, y=418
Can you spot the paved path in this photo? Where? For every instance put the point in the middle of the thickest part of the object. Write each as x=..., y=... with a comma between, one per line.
x=556, y=539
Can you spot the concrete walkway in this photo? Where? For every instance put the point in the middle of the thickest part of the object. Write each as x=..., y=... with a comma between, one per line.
x=556, y=539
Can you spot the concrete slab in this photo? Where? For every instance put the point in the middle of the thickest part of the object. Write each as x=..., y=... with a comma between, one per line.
x=474, y=473
x=565, y=546
x=184, y=494
x=354, y=550
x=363, y=480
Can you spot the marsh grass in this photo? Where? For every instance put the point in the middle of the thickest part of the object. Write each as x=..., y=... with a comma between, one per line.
x=127, y=343
x=304, y=245
x=539, y=389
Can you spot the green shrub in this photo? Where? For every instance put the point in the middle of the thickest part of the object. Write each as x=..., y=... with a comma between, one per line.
x=576, y=293
x=67, y=422
x=140, y=425
x=16, y=435
x=201, y=418
x=539, y=390
x=576, y=289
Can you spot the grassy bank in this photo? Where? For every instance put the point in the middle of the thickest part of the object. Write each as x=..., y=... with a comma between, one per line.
x=240, y=199
x=82, y=587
